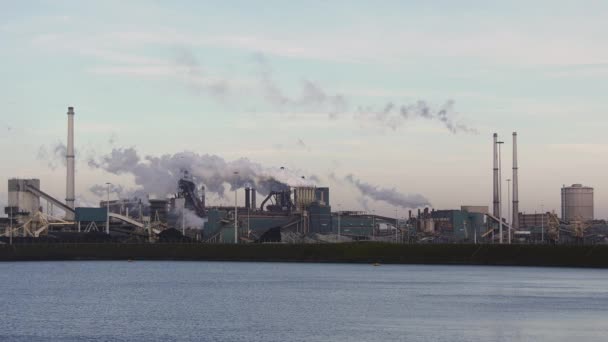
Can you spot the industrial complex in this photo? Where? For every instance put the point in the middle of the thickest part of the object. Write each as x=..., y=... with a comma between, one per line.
x=287, y=214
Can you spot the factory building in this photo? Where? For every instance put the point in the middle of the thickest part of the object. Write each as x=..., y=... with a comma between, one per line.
x=577, y=203
x=358, y=224
x=300, y=210
x=530, y=221
x=459, y=225
x=320, y=217
x=130, y=207
x=22, y=201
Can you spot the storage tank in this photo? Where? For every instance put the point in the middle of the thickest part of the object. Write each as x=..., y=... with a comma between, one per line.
x=577, y=203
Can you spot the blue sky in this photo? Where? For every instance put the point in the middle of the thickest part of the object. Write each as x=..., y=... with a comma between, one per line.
x=164, y=77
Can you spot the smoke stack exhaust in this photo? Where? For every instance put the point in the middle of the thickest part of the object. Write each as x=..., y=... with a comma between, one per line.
x=247, y=198
x=70, y=186
x=496, y=208
x=515, y=219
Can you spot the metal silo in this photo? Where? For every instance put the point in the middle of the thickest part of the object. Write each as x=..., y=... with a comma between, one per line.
x=577, y=203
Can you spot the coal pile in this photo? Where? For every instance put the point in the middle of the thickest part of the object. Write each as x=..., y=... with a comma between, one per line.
x=173, y=235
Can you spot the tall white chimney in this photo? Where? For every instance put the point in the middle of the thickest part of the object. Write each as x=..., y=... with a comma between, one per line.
x=69, y=193
x=496, y=209
x=515, y=219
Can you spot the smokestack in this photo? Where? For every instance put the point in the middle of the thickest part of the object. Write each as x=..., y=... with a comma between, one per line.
x=247, y=198
x=515, y=219
x=496, y=210
x=253, y=204
x=69, y=195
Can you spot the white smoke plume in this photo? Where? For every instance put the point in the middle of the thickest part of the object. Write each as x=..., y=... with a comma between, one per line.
x=100, y=190
x=391, y=115
x=53, y=155
x=158, y=175
x=191, y=220
x=390, y=196
x=312, y=97
x=394, y=116
x=190, y=70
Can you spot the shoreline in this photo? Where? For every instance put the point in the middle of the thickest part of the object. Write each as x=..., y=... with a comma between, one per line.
x=591, y=256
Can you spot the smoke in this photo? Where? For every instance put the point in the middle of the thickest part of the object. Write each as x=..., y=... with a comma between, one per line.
x=190, y=70
x=158, y=175
x=390, y=196
x=312, y=96
x=53, y=155
x=100, y=190
x=81, y=201
x=364, y=203
x=394, y=117
x=112, y=139
x=301, y=144
x=191, y=220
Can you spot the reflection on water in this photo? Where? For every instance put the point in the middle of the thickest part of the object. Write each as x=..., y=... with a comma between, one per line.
x=201, y=301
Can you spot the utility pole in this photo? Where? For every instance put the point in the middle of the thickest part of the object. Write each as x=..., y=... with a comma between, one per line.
x=10, y=232
x=499, y=192
x=108, y=210
x=338, y=222
x=373, y=223
x=184, y=219
x=542, y=223
x=509, y=220
x=396, y=225
x=236, y=235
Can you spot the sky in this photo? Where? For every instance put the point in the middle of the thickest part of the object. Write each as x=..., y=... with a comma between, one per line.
x=316, y=87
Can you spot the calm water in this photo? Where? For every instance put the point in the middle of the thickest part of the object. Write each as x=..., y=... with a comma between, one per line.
x=200, y=301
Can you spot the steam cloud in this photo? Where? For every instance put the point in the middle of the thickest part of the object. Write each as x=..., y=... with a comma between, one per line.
x=312, y=97
x=390, y=196
x=191, y=220
x=100, y=190
x=394, y=116
x=159, y=175
x=54, y=155
x=194, y=76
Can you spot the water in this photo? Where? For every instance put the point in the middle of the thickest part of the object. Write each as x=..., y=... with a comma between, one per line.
x=216, y=301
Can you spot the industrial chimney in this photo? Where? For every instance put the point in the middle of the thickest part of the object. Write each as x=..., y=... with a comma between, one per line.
x=247, y=198
x=69, y=195
x=253, y=201
x=515, y=219
x=496, y=210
